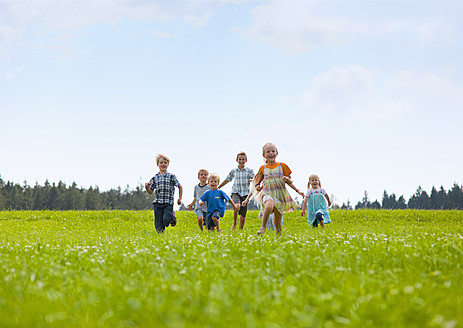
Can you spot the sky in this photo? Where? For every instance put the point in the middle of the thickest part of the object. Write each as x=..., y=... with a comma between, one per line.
x=366, y=94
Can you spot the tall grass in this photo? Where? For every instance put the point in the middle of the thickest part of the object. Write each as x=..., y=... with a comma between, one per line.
x=369, y=268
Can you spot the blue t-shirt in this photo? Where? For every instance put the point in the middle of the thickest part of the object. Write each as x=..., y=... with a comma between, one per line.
x=215, y=200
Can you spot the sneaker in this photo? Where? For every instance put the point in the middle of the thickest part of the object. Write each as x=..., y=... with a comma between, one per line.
x=173, y=223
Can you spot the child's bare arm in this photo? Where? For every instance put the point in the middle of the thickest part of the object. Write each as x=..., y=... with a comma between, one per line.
x=245, y=202
x=224, y=182
x=259, y=178
x=190, y=206
x=180, y=194
x=295, y=189
x=328, y=199
x=287, y=179
x=304, y=205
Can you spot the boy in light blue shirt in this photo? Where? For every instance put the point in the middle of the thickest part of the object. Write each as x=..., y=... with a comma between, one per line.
x=215, y=200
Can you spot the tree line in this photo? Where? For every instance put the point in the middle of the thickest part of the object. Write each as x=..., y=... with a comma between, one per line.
x=436, y=200
x=52, y=196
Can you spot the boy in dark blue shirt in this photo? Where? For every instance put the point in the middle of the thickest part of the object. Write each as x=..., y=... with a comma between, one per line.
x=215, y=199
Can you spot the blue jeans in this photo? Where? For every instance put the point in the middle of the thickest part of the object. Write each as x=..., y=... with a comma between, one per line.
x=163, y=216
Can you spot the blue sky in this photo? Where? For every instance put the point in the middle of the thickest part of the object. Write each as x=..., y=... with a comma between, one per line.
x=367, y=94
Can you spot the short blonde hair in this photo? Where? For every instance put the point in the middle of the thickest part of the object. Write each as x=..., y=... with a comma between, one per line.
x=268, y=144
x=162, y=156
x=203, y=170
x=314, y=176
x=241, y=153
x=213, y=176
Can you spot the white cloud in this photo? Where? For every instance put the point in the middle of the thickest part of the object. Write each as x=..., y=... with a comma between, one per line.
x=297, y=27
x=338, y=88
x=51, y=15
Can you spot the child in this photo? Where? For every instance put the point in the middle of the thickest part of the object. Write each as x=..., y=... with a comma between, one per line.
x=276, y=199
x=257, y=196
x=317, y=209
x=200, y=189
x=163, y=184
x=215, y=199
x=240, y=188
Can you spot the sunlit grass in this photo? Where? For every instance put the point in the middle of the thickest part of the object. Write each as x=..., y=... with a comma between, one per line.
x=110, y=268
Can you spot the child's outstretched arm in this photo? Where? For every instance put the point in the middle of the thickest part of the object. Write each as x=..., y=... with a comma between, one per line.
x=328, y=199
x=245, y=202
x=289, y=181
x=304, y=205
x=190, y=206
x=224, y=182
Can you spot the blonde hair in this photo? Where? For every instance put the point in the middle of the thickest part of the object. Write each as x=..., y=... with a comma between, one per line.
x=213, y=176
x=203, y=170
x=162, y=156
x=269, y=144
x=313, y=176
x=241, y=153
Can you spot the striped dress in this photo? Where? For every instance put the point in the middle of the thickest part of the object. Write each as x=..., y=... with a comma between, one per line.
x=275, y=187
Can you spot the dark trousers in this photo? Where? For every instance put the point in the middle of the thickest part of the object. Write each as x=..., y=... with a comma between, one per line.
x=163, y=216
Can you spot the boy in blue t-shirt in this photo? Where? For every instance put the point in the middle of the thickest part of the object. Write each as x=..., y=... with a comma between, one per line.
x=215, y=199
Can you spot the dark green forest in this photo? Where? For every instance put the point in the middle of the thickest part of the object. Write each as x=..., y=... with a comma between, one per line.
x=52, y=196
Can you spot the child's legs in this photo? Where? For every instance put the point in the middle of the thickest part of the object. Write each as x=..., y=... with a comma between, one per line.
x=237, y=200
x=215, y=218
x=278, y=222
x=168, y=214
x=158, y=217
x=268, y=209
x=200, y=216
x=271, y=222
x=210, y=225
x=242, y=212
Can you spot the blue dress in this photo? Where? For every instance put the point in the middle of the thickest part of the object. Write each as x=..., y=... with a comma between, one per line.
x=317, y=203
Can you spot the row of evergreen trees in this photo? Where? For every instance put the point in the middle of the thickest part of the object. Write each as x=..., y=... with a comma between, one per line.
x=438, y=200
x=14, y=196
x=53, y=196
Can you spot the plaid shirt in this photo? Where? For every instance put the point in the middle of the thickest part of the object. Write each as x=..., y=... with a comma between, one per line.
x=163, y=187
x=242, y=179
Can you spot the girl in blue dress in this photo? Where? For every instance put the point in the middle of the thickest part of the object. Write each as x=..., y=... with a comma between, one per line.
x=315, y=201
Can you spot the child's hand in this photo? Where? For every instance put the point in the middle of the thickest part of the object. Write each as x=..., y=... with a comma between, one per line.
x=244, y=203
x=301, y=193
x=303, y=213
x=189, y=207
x=258, y=187
x=179, y=201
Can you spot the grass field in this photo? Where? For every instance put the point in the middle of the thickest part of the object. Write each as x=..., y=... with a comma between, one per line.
x=371, y=268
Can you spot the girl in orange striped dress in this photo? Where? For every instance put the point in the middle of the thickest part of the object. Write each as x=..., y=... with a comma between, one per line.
x=271, y=179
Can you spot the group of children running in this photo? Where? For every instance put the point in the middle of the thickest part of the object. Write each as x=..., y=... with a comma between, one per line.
x=268, y=190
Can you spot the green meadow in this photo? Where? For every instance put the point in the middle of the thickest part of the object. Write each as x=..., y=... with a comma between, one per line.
x=369, y=268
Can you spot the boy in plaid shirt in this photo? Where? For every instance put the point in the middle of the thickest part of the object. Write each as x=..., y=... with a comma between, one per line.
x=240, y=189
x=163, y=185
